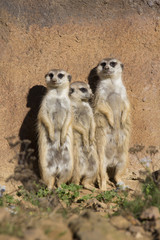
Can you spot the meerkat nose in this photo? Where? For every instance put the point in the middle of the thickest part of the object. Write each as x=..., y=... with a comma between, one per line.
x=106, y=67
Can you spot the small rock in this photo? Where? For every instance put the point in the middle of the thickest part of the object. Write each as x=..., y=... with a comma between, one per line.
x=91, y=226
x=51, y=202
x=149, y=225
x=139, y=10
x=120, y=222
x=157, y=2
x=55, y=229
x=35, y=233
x=95, y=204
x=138, y=235
x=136, y=229
x=133, y=220
x=150, y=214
x=150, y=3
x=157, y=224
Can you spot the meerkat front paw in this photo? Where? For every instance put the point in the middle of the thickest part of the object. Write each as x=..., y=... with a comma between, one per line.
x=86, y=143
x=111, y=120
x=91, y=139
x=63, y=139
x=123, y=118
x=51, y=135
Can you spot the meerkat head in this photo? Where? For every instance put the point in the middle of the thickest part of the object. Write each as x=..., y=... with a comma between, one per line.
x=80, y=91
x=109, y=67
x=56, y=78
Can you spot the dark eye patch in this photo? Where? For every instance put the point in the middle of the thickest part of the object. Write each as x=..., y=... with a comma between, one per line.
x=60, y=75
x=71, y=90
x=113, y=64
x=83, y=89
x=51, y=75
x=103, y=64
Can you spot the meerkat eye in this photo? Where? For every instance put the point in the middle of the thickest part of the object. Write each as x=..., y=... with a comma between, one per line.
x=83, y=90
x=60, y=75
x=51, y=75
x=113, y=64
x=103, y=64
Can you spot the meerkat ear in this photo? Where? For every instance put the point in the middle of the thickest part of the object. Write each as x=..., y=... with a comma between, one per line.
x=122, y=66
x=69, y=78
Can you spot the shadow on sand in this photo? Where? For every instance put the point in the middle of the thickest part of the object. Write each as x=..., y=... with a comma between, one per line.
x=27, y=170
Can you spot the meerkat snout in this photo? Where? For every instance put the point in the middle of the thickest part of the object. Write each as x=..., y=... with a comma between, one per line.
x=57, y=77
x=109, y=67
x=80, y=91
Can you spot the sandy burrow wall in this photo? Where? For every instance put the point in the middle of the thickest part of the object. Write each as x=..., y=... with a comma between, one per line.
x=27, y=53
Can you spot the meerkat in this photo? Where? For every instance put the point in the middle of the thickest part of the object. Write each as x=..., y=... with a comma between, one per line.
x=55, y=138
x=112, y=117
x=85, y=154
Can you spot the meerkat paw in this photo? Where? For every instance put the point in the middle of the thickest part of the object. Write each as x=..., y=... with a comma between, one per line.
x=88, y=187
x=76, y=182
x=51, y=136
x=63, y=139
x=123, y=118
x=57, y=145
x=111, y=120
x=51, y=182
x=91, y=140
x=86, y=144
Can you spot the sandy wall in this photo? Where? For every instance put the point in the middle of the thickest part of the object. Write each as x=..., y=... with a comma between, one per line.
x=36, y=36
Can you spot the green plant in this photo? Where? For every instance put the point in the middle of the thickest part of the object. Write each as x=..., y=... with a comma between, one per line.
x=150, y=192
x=149, y=196
x=106, y=196
x=34, y=196
x=85, y=198
x=68, y=193
x=8, y=200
